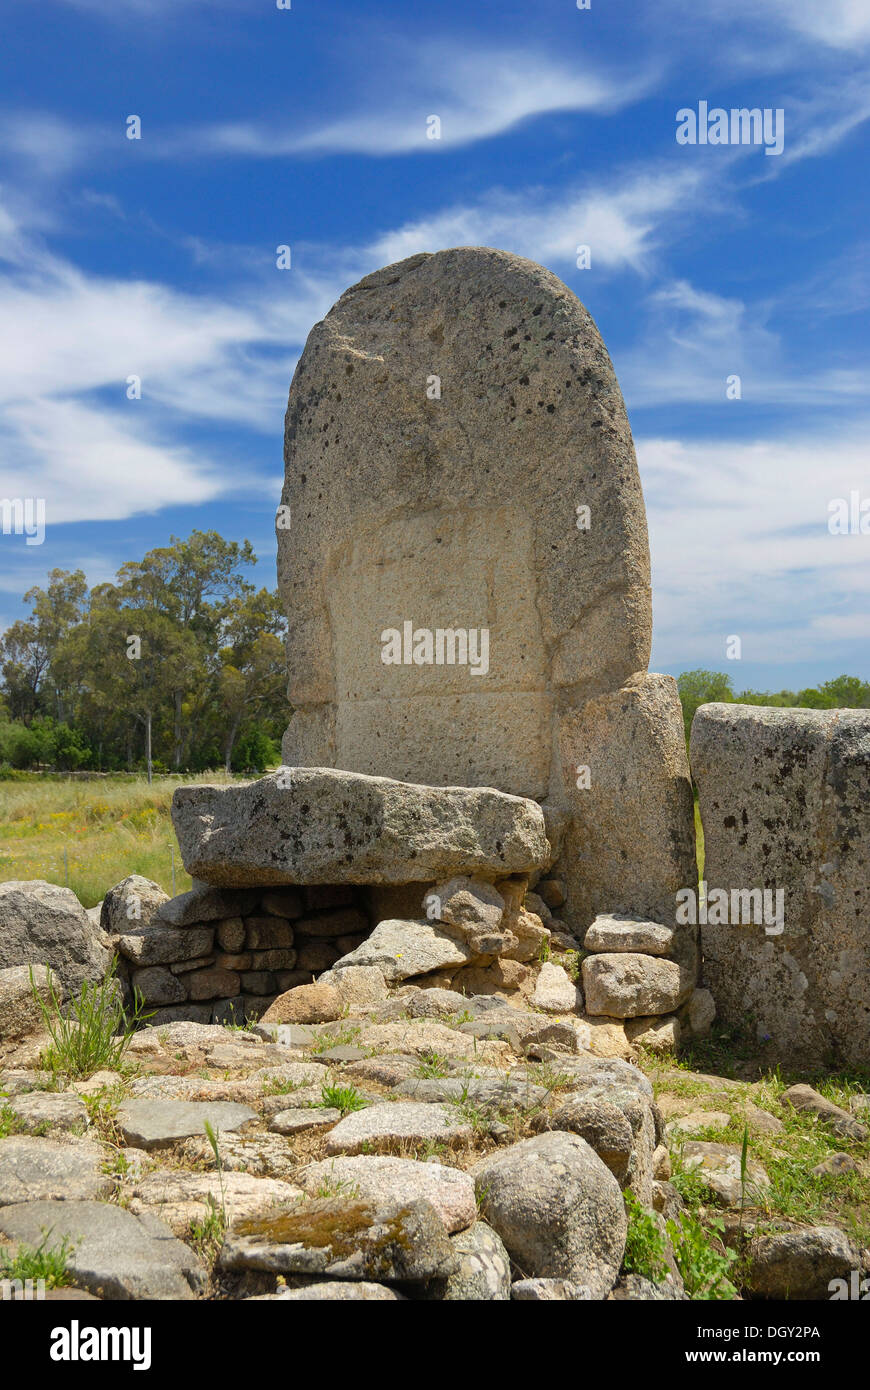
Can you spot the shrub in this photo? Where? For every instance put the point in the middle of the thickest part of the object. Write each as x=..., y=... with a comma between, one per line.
x=704, y=1270
x=645, y=1245
x=92, y=1032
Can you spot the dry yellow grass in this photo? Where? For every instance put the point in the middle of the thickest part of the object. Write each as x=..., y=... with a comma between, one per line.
x=109, y=828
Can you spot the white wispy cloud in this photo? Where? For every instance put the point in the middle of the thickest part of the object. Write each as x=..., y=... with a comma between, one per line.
x=621, y=220
x=740, y=545
x=476, y=93
x=70, y=434
x=840, y=24
x=690, y=341
x=89, y=465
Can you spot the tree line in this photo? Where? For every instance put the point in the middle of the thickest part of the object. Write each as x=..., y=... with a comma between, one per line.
x=706, y=687
x=176, y=666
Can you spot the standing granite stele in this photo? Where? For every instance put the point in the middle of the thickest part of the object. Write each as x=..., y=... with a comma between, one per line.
x=784, y=804
x=448, y=422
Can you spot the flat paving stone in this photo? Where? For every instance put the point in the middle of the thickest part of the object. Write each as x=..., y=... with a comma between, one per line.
x=114, y=1254
x=297, y=1119
x=40, y=1111
x=181, y=1198
x=154, y=1124
x=32, y=1168
x=488, y=1094
x=341, y=1238
x=448, y=1190
x=413, y=1121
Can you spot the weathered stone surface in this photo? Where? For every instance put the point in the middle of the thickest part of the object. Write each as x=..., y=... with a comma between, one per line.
x=471, y=905
x=385, y=1179
x=20, y=1014
x=230, y=933
x=334, y=1291
x=503, y=977
x=316, y=956
x=204, y=903
x=550, y=1291
x=213, y=983
x=557, y=1207
x=698, y=1014
x=413, y=1121
x=482, y=494
x=611, y=933
x=69, y=1170
x=497, y=1094
x=553, y=892
x=318, y=1003
x=530, y=936
x=783, y=799
x=180, y=1198
x=657, y=1034
x=268, y=933
x=114, y=1254
x=158, y=985
x=153, y=1124
x=612, y=1082
x=695, y=1123
x=345, y=921
x=839, y=1120
x=131, y=905
x=801, y=1264
x=359, y=1239
x=484, y=1272
x=42, y=924
x=401, y=950
x=43, y=1111
x=719, y=1166
x=365, y=830
x=159, y=945
x=523, y=1030
x=630, y=839
x=298, y=1119
x=628, y=985
x=605, y=1129
x=283, y=902
x=555, y=992
x=359, y=986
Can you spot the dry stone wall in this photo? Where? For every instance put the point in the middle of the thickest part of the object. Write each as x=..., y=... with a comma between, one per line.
x=210, y=957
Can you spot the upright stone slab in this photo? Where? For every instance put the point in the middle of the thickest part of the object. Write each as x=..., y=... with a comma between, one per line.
x=459, y=462
x=457, y=513
x=785, y=804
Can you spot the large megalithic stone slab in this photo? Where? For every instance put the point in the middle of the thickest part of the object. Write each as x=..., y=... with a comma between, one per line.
x=446, y=420
x=318, y=825
x=785, y=804
x=460, y=481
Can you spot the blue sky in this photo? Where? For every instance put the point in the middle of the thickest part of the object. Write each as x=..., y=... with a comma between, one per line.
x=307, y=127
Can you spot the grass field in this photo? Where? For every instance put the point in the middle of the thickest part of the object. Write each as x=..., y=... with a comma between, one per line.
x=109, y=828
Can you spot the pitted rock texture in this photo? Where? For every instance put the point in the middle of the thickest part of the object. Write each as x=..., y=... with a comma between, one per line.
x=457, y=513
x=43, y=924
x=315, y=825
x=784, y=804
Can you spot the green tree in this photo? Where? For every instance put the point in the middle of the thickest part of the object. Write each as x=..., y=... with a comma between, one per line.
x=253, y=675
x=29, y=646
x=192, y=582
x=702, y=688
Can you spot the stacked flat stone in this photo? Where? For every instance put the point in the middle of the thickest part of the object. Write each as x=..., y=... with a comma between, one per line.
x=215, y=955
x=630, y=974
